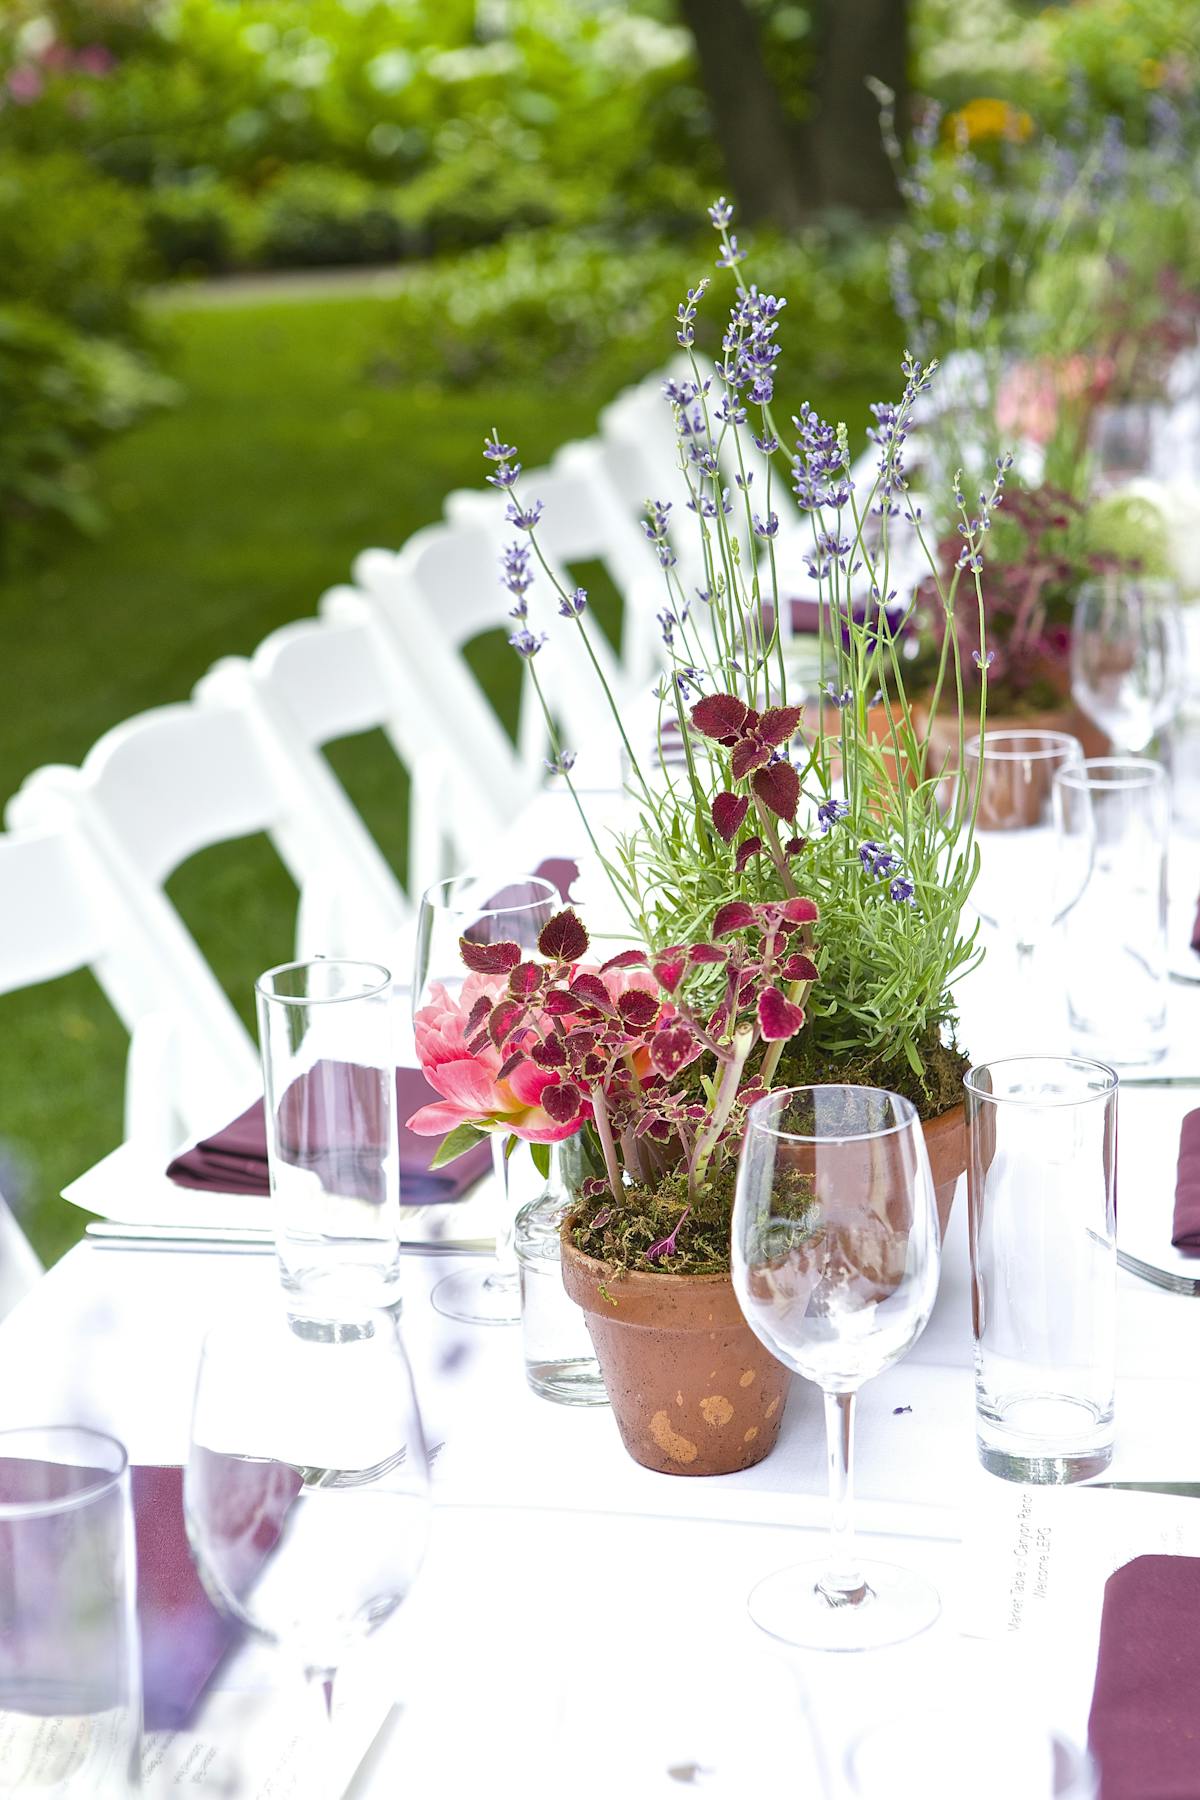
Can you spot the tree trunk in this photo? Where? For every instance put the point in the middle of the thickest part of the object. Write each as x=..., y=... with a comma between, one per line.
x=857, y=39
x=759, y=142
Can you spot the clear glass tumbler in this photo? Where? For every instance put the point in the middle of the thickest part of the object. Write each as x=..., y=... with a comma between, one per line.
x=560, y=1359
x=329, y=1074
x=70, y=1671
x=1042, y=1143
x=1127, y=657
x=1113, y=818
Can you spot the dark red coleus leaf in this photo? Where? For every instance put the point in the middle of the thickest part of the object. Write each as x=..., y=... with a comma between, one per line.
x=580, y=1042
x=637, y=1008
x=550, y=1055
x=594, y=1066
x=735, y=915
x=719, y=715
x=669, y=966
x=489, y=959
x=728, y=811
x=562, y=1100
x=778, y=787
x=719, y=1022
x=477, y=1015
x=510, y=1065
x=563, y=938
x=778, y=724
x=590, y=988
x=526, y=980
x=660, y=1129
x=708, y=953
x=672, y=1048
x=749, y=753
x=506, y=1016
x=800, y=968
x=778, y=1017
x=748, y=849
x=801, y=911
x=593, y=1187
x=628, y=959
x=476, y=1044
x=794, y=846
x=561, y=1000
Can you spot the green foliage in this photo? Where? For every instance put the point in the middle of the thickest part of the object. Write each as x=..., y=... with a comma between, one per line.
x=60, y=394
x=73, y=242
x=314, y=215
x=544, y=304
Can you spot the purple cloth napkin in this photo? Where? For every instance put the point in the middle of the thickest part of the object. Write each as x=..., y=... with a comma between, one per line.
x=1185, y=1230
x=1196, y=929
x=234, y=1159
x=1145, y=1722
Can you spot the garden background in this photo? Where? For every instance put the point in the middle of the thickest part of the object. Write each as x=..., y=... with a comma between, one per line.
x=269, y=269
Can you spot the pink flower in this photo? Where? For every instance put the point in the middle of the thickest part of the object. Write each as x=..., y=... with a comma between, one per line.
x=95, y=59
x=472, y=1093
x=25, y=84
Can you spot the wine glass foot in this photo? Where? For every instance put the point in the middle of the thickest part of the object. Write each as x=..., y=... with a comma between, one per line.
x=479, y=1297
x=790, y=1606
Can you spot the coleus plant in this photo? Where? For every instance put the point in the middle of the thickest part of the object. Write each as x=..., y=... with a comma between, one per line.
x=655, y=1055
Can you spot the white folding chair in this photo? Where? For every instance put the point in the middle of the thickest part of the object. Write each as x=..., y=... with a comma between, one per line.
x=308, y=685
x=178, y=779
x=191, y=1062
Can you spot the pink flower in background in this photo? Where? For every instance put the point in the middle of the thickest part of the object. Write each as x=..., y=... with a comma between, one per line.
x=25, y=84
x=95, y=59
x=469, y=1081
x=1031, y=394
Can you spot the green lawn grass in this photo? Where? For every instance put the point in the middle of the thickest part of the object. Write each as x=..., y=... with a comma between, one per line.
x=230, y=515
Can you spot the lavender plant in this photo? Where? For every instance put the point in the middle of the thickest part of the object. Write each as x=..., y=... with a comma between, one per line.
x=767, y=802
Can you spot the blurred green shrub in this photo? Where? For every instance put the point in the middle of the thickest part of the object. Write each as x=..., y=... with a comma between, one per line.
x=544, y=304
x=200, y=227
x=71, y=241
x=314, y=216
x=60, y=393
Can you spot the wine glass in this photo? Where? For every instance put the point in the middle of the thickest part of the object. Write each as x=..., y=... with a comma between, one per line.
x=1127, y=657
x=1009, y=777
x=487, y=911
x=835, y=1264
x=306, y=1492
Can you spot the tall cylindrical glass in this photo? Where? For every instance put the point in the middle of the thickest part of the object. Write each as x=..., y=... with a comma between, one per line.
x=70, y=1671
x=329, y=1077
x=1042, y=1170
x=1113, y=818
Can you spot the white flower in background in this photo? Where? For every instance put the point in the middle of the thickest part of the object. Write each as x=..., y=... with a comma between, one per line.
x=1177, y=503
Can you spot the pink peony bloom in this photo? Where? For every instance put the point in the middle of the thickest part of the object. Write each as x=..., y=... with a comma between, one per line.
x=25, y=84
x=472, y=1093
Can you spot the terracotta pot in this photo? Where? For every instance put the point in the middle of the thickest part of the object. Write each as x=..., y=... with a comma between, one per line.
x=946, y=1142
x=692, y=1389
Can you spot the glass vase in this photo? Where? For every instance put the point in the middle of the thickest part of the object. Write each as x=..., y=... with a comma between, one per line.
x=560, y=1362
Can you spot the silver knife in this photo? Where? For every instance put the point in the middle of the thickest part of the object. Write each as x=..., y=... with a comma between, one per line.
x=108, y=1234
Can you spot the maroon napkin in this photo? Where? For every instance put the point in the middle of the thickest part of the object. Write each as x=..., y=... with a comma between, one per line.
x=1185, y=1232
x=234, y=1159
x=1145, y=1721
x=1196, y=929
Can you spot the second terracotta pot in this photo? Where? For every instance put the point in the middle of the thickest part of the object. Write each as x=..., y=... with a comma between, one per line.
x=692, y=1389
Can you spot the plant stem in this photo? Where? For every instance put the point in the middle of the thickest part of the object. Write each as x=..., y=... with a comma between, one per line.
x=710, y=1132
x=612, y=1167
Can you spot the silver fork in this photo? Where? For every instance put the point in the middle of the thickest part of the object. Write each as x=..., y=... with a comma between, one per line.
x=356, y=1478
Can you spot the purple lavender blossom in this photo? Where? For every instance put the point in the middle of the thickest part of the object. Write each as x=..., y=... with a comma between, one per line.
x=768, y=527
x=731, y=254
x=523, y=518
x=527, y=643
x=516, y=574
x=983, y=662
x=685, y=313
x=573, y=604
x=842, y=700
x=902, y=890
x=562, y=764
x=820, y=477
x=875, y=859
x=721, y=213
x=829, y=812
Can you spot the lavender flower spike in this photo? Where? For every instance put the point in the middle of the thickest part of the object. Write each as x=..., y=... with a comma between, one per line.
x=830, y=811
x=721, y=212
x=573, y=604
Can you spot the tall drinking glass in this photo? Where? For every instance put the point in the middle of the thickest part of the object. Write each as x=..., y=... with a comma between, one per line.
x=1042, y=1134
x=1127, y=660
x=1011, y=775
x=1113, y=818
x=836, y=1253
x=70, y=1672
x=483, y=910
x=329, y=1076
x=306, y=1492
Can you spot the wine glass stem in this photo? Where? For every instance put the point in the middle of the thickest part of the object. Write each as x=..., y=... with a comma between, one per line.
x=842, y=1583
x=318, y=1689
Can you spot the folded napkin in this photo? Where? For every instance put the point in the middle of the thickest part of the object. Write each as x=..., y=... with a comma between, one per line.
x=1185, y=1232
x=234, y=1159
x=1145, y=1721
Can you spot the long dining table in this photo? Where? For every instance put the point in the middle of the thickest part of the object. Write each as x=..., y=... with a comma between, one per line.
x=579, y=1625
